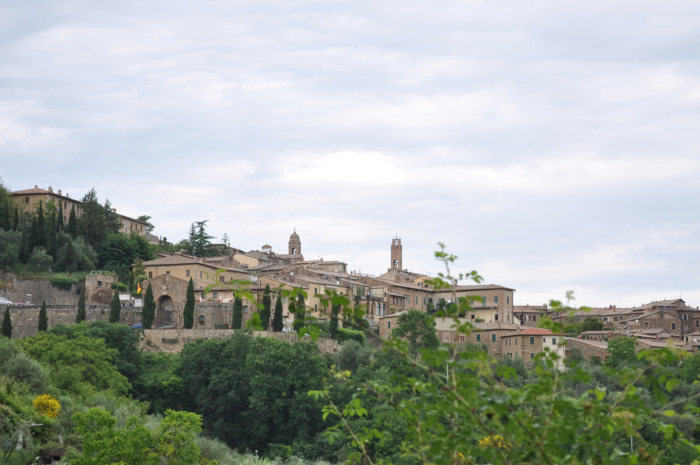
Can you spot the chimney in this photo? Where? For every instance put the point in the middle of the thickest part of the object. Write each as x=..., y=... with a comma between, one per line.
x=517, y=330
x=35, y=186
x=59, y=192
x=51, y=189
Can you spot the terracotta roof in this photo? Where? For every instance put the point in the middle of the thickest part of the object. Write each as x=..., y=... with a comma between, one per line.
x=661, y=303
x=492, y=326
x=38, y=190
x=481, y=287
x=533, y=332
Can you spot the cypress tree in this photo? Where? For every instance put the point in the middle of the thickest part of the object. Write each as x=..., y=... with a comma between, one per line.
x=51, y=244
x=267, y=307
x=72, y=223
x=41, y=233
x=59, y=219
x=188, y=314
x=300, y=312
x=15, y=224
x=237, y=313
x=7, y=324
x=277, y=322
x=71, y=260
x=335, y=310
x=43, y=319
x=149, y=308
x=80, y=316
x=24, y=250
x=115, y=308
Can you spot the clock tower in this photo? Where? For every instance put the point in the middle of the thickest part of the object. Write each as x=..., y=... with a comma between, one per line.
x=396, y=254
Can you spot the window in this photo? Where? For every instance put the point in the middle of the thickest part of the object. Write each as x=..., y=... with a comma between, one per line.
x=534, y=317
x=99, y=283
x=204, y=296
x=187, y=273
x=532, y=355
x=221, y=278
x=200, y=273
x=478, y=338
x=496, y=317
x=615, y=318
x=462, y=338
x=483, y=301
x=472, y=317
x=646, y=324
x=554, y=341
x=315, y=307
x=447, y=338
x=388, y=325
x=516, y=341
x=493, y=338
x=423, y=300
x=167, y=272
x=673, y=326
x=416, y=300
x=201, y=319
x=495, y=299
x=245, y=309
x=508, y=299
x=215, y=295
x=532, y=340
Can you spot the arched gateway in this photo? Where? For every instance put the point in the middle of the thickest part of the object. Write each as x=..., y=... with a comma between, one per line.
x=164, y=312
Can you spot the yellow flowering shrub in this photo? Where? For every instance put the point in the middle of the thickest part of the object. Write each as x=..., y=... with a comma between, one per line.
x=47, y=405
x=494, y=441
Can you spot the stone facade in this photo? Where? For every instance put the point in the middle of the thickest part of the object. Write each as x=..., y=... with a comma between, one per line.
x=25, y=319
x=589, y=348
x=173, y=340
x=17, y=290
x=98, y=288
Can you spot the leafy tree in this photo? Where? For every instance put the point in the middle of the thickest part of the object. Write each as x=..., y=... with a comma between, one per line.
x=7, y=324
x=24, y=250
x=81, y=315
x=621, y=350
x=80, y=366
x=592, y=324
x=112, y=221
x=10, y=243
x=92, y=225
x=267, y=309
x=418, y=329
x=146, y=219
x=277, y=321
x=37, y=237
x=225, y=239
x=40, y=260
x=72, y=223
x=335, y=310
x=149, y=308
x=115, y=308
x=43, y=319
x=353, y=355
x=237, y=321
x=188, y=313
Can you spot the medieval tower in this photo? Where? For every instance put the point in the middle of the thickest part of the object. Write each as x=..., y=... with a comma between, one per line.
x=294, y=244
x=396, y=254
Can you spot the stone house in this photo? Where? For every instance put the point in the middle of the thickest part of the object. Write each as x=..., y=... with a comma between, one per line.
x=588, y=347
x=528, y=343
x=529, y=316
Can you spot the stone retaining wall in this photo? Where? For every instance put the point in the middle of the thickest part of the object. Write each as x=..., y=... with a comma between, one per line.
x=16, y=290
x=25, y=319
x=173, y=340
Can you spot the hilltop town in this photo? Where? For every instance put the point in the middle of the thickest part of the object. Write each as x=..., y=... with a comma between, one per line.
x=218, y=271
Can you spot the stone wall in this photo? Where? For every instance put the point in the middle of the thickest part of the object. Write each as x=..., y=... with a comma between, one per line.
x=25, y=319
x=173, y=340
x=98, y=288
x=588, y=348
x=16, y=291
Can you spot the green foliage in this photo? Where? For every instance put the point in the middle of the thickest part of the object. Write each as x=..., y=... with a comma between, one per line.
x=10, y=244
x=43, y=318
x=199, y=241
x=251, y=391
x=353, y=355
x=72, y=223
x=277, y=321
x=592, y=324
x=117, y=252
x=115, y=308
x=266, y=310
x=64, y=282
x=79, y=366
x=149, y=308
x=22, y=368
x=621, y=350
x=345, y=334
x=81, y=314
x=418, y=329
x=171, y=442
x=335, y=311
x=237, y=320
x=39, y=260
x=6, y=330
x=188, y=312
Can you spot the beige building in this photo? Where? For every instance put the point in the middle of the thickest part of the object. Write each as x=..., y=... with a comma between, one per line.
x=532, y=341
x=27, y=200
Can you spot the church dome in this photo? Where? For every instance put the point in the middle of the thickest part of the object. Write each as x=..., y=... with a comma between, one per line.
x=294, y=236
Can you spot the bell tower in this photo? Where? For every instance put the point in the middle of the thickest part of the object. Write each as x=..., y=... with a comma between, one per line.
x=294, y=244
x=396, y=254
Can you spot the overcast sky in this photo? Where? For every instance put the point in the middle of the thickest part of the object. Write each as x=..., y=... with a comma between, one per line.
x=551, y=145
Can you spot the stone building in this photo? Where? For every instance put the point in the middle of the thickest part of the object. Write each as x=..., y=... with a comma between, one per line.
x=530, y=342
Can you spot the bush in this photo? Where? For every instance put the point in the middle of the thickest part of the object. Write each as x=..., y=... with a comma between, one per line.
x=221, y=326
x=47, y=405
x=63, y=282
x=353, y=355
x=122, y=287
x=24, y=369
x=350, y=335
x=40, y=260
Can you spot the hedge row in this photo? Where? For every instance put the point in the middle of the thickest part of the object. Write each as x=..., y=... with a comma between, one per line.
x=345, y=334
x=63, y=282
